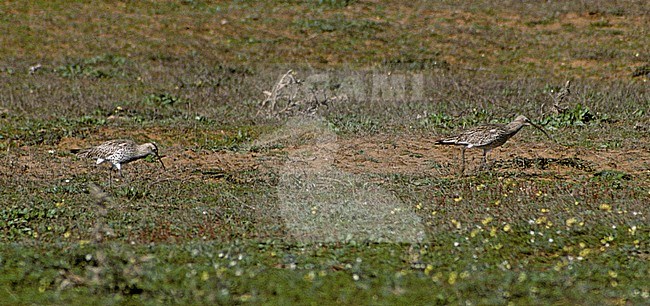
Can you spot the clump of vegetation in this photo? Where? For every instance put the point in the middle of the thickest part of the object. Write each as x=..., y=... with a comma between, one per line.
x=438, y=120
x=641, y=71
x=102, y=66
x=164, y=100
x=615, y=178
x=579, y=115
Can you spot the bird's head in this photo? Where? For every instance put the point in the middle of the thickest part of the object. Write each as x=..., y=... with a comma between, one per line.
x=523, y=120
x=152, y=148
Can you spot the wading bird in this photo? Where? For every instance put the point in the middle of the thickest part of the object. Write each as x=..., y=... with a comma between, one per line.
x=119, y=152
x=487, y=137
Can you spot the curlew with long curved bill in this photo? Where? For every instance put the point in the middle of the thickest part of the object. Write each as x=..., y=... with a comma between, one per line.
x=119, y=152
x=488, y=137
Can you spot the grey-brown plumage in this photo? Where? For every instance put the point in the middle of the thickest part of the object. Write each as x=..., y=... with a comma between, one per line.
x=119, y=152
x=487, y=137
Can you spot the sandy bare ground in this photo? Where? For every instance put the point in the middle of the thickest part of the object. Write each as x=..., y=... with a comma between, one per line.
x=378, y=154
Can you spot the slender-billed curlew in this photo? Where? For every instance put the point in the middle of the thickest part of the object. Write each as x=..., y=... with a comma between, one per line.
x=487, y=137
x=119, y=152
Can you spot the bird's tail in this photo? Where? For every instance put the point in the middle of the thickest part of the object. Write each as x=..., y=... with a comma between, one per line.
x=446, y=141
x=80, y=152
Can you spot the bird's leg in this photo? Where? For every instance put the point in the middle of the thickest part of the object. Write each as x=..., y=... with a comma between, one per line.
x=462, y=156
x=485, y=157
x=485, y=160
x=119, y=169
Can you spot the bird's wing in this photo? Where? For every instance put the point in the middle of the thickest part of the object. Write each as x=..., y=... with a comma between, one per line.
x=106, y=149
x=481, y=135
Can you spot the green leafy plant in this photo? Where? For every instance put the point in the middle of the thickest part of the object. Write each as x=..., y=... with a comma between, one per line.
x=438, y=120
x=162, y=99
x=579, y=115
x=102, y=66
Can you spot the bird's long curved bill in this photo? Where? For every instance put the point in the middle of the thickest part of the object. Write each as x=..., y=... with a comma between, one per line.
x=541, y=129
x=161, y=162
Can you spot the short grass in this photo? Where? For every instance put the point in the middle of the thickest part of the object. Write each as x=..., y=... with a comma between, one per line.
x=191, y=75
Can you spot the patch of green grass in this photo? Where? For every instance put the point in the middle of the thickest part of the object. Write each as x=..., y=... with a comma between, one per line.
x=603, y=23
x=274, y=271
x=334, y=3
x=544, y=21
x=411, y=62
x=357, y=28
x=354, y=124
x=102, y=66
x=27, y=131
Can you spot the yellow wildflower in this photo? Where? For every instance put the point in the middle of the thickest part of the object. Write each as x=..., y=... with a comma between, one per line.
x=487, y=220
x=452, y=277
x=571, y=221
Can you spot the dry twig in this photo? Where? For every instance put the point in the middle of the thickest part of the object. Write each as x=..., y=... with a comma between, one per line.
x=290, y=97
